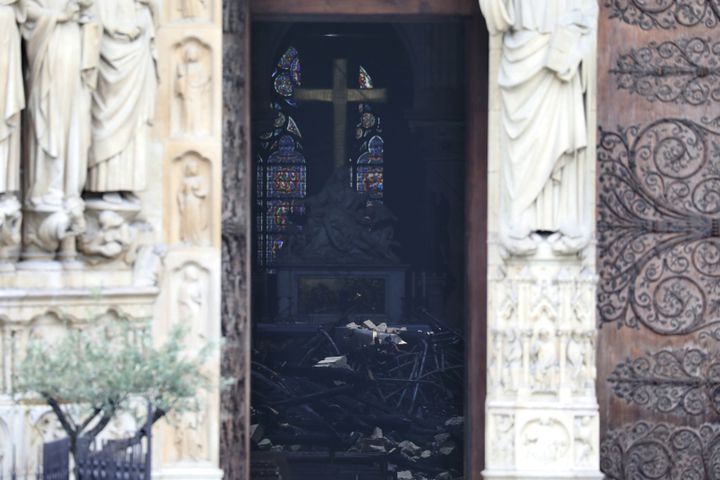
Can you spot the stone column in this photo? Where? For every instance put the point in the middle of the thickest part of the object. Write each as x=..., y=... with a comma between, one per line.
x=541, y=410
x=189, y=126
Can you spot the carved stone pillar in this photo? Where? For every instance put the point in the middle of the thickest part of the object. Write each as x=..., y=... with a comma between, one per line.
x=541, y=409
x=189, y=125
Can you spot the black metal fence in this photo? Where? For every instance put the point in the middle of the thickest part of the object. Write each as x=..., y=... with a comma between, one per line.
x=127, y=459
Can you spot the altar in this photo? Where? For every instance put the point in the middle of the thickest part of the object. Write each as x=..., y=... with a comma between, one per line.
x=323, y=294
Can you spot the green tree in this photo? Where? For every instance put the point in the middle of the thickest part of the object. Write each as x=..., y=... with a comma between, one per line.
x=91, y=375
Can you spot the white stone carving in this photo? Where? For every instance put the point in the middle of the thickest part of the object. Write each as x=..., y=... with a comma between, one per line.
x=544, y=124
x=584, y=441
x=49, y=228
x=10, y=230
x=193, y=205
x=545, y=365
x=192, y=8
x=60, y=39
x=148, y=266
x=123, y=104
x=191, y=297
x=545, y=440
x=12, y=102
x=193, y=89
x=503, y=443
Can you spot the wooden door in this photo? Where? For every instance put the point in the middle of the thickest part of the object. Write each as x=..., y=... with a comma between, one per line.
x=237, y=205
x=659, y=239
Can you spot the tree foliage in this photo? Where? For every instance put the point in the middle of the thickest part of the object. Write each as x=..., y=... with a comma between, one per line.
x=104, y=370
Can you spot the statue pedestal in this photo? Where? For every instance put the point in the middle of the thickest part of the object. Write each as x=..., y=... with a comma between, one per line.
x=541, y=412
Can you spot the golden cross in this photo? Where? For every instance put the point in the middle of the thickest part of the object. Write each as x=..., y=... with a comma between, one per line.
x=340, y=96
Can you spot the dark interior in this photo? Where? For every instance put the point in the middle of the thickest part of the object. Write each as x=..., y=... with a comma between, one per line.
x=358, y=352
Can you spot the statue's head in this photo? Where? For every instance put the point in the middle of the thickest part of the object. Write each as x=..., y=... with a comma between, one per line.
x=191, y=53
x=191, y=168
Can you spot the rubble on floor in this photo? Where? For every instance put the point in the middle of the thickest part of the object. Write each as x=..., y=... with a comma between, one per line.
x=386, y=397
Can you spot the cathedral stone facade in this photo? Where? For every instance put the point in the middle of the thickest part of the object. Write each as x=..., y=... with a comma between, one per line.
x=125, y=193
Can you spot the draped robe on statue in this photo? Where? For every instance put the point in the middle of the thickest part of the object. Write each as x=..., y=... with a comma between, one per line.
x=58, y=104
x=12, y=98
x=124, y=100
x=544, y=125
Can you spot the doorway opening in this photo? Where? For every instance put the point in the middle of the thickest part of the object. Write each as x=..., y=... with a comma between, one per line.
x=358, y=361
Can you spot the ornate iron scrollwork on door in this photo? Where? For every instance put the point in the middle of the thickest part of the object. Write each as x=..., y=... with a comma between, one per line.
x=679, y=381
x=645, y=451
x=659, y=227
x=666, y=14
x=684, y=71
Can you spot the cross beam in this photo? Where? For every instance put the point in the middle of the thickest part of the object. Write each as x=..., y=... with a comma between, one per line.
x=340, y=96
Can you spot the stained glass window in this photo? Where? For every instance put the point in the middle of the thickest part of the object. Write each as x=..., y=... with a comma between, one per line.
x=281, y=166
x=369, y=166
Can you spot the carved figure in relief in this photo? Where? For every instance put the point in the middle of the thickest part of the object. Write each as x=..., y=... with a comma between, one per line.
x=192, y=86
x=543, y=77
x=504, y=446
x=583, y=441
x=544, y=361
x=191, y=297
x=192, y=198
x=123, y=105
x=192, y=8
x=148, y=265
x=61, y=53
x=545, y=440
x=576, y=361
x=190, y=438
x=12, y=98
x=512, y=361
x=67, y=222
x=112, y=238
x=10, y=221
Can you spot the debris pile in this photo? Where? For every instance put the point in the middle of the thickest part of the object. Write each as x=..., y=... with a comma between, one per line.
x=386, y=397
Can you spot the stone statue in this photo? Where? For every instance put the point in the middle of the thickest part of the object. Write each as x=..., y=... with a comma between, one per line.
x=192, y=200
x=124, y=102
x=192, y=8
x=12, y=102
x=192, y=85
x=59, y=100
x=341, y=228
x=542, y=83
x=12, y=98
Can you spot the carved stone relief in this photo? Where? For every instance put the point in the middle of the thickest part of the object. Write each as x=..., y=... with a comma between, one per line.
x=546, y=440
x=192, y=105
x=191, y=190
x=585, y=441
x=187, y=11
x=503, y=443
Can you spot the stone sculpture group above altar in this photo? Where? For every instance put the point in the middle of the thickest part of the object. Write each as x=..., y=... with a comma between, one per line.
x=87, y=85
